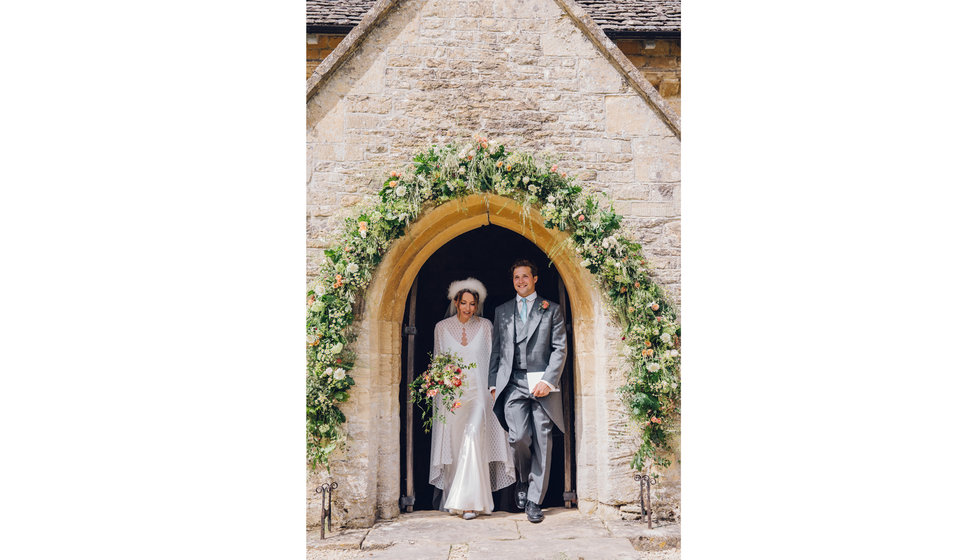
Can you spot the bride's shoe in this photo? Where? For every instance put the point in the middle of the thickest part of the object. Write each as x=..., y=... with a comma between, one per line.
x=469, y=515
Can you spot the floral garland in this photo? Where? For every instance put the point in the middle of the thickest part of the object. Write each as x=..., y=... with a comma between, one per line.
x=651, y=333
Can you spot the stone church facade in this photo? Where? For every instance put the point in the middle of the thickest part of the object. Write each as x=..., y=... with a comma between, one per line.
x=536, y=75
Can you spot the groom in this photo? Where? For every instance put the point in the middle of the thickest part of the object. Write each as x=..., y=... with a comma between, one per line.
x=528, y=340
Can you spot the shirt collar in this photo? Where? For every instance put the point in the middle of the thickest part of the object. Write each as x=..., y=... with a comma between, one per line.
x=530, y=298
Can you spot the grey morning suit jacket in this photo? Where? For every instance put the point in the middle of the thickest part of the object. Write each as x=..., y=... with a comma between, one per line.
x=543, y=340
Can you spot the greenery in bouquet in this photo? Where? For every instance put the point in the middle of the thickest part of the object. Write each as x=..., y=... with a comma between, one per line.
x=443, y=380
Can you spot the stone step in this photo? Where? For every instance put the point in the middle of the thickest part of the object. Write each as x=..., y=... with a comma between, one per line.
x=564, y=534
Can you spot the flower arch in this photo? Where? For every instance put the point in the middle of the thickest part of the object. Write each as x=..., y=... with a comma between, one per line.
x=650, y=331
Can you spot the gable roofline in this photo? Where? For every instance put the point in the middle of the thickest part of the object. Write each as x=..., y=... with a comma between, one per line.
x=323, y=29
x=579, y=17
x=613, y=16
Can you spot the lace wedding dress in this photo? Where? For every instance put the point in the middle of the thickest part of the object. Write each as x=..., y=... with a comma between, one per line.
x=470, y=454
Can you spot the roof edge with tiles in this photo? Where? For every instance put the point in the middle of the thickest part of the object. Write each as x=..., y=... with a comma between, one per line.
x=578, y=15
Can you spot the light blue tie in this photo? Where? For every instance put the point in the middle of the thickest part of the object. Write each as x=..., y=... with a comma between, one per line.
x=523, y=309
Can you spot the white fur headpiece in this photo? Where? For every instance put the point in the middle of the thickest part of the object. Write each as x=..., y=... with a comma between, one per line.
x=469, y=284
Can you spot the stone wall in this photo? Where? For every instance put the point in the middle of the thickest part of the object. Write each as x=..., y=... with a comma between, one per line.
x=522, y=72
x=659, y=60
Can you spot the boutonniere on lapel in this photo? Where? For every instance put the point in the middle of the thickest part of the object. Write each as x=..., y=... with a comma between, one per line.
x=544, y=305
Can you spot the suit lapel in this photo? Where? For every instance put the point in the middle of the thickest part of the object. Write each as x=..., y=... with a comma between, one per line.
x=533, y=318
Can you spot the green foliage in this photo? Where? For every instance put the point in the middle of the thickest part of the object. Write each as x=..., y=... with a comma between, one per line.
x=651, y=334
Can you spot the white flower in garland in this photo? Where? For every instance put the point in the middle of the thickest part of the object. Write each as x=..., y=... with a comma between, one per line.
x=666, y=338
x=551, y=198
x=586, y=263
x=328, y=371
x=336, y=348
x=400, y=191
x=352, y=268
x=339, y=374
x=462, y=170
x=526, y=179
x=319, y=289
x=673, y=353
x=653, y=366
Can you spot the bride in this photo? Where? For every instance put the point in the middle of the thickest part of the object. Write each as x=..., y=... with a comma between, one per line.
x=470, y=455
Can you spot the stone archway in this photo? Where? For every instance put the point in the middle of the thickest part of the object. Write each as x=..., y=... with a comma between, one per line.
x=370, y=463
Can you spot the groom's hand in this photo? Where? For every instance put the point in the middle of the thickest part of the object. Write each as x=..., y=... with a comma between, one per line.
x=541, y=390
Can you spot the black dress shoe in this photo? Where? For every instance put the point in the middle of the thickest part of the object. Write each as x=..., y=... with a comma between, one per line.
x=521, y=495
x=533, y=512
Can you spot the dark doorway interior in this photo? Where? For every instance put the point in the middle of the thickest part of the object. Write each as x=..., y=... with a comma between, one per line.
x=486, y=254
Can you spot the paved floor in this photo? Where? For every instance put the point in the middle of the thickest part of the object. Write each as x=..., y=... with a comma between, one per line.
x=565, y=534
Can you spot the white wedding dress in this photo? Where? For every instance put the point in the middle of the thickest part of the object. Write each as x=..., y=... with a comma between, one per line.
x=470, y=454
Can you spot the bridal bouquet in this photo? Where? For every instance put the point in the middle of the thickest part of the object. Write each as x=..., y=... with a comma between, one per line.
x=442, y=380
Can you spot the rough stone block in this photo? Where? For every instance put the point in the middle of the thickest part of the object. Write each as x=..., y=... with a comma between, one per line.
x=608, y=548
x=440, y=527
x=341, y=539
x=630, y=115
x=420, y=550
x=670, y=87
x=359, y=120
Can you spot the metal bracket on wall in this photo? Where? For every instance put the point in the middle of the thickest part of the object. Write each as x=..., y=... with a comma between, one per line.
x=646, y=504
x=326, y=513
